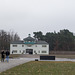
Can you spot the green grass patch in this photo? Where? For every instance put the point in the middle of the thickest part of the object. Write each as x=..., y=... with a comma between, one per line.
x=42, y=68
x=14, y=55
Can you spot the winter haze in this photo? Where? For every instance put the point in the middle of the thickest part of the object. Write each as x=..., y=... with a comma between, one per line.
x=28, y=16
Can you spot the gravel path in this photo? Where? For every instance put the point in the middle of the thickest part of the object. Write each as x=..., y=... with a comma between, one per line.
x=13, y=62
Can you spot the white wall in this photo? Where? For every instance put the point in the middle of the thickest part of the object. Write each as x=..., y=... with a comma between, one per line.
x=37, y=49
x=40, y=48
x=18, y=48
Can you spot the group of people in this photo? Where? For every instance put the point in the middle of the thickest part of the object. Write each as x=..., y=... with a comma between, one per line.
x=3, y=54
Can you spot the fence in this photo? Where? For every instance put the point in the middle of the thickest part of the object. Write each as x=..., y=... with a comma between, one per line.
x=62, y=52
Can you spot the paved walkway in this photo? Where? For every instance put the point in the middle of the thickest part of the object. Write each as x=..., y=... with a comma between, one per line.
x=14, y=62
x=17, y=61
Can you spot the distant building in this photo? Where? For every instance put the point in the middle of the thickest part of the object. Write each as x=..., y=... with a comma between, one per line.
x=29, y=45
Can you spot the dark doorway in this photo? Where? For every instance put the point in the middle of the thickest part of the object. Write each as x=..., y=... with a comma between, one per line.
x=29, y=51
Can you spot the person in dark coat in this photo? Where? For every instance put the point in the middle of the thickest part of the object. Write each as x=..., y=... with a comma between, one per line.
x=7, y=55
x=2, y=56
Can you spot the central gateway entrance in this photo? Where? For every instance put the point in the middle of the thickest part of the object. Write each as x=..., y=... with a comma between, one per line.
x=29, y=51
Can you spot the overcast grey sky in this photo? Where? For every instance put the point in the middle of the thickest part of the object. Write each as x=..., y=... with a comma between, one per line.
x=28, y=16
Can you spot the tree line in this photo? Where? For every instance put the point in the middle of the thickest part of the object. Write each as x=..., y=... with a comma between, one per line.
x=6, y=38
x=64, y=40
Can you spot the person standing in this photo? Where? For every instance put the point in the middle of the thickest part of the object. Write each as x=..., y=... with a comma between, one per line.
x=7, y=55
x=2, y=56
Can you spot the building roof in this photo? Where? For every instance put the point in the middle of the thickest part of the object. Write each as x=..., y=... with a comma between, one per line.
x=17, y=42
x=22, y=42
x=29, y=38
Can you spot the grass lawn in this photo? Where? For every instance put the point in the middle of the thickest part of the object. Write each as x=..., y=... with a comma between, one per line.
x=43, y=68
x=12, y=55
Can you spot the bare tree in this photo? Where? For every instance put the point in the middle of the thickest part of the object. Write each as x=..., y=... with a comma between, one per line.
x=6, y=38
